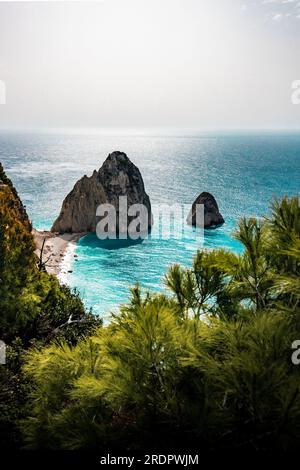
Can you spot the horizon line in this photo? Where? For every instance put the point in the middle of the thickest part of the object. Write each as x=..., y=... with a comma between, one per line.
x=145, y=131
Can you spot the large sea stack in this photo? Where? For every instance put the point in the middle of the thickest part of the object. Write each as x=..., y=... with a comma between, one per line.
x=212, y=215
x=117, y=177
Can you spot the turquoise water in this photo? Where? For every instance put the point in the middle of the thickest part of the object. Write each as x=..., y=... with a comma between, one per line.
x=242, y=171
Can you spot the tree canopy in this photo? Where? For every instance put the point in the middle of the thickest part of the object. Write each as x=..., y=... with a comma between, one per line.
x=208, y=364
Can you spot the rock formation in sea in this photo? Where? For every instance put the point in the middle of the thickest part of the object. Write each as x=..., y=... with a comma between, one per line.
x=117, y=177
x=212, y=215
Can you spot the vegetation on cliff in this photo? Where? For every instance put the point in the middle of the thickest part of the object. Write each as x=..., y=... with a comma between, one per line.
x=34, y=308
x=208, y=366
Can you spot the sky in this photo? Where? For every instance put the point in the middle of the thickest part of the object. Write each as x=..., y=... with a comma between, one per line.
x=150, y=64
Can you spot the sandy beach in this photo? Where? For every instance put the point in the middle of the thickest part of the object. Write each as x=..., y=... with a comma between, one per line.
x=55, y=248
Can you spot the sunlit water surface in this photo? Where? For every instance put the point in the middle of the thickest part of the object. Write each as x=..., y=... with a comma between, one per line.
x=243, y=172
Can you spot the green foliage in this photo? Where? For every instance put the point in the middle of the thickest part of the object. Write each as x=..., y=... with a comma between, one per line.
x=6, y=181
x=208, y=366
x=198, y=289
x=283, y=248
x=32, y=303
x=34, y=308
x=17, y=264
x=14, y=392
x=163, y=380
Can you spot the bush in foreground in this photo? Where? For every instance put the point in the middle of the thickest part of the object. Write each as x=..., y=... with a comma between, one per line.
x=207, y=367
x=34, y=309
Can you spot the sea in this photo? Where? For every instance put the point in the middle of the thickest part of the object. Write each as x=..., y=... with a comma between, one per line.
x=243, y=170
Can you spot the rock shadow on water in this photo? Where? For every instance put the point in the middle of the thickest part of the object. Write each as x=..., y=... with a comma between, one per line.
x=92, y=241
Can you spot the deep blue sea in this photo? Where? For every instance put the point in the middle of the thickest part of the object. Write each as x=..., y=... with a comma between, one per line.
x=243, y=172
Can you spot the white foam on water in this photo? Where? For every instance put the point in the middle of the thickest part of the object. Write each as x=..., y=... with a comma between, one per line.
x=67, y=264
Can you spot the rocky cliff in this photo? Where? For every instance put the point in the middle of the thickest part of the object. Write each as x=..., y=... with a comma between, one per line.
x=5, y=183
x=117, y=177
x=212, y=215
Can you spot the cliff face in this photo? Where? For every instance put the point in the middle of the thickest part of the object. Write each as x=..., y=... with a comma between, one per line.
x=7, y=187
x=212, y=215
x=17, y=258
x=117, y=177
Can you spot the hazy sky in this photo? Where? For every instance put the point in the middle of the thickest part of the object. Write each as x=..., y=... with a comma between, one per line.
x=181, y=64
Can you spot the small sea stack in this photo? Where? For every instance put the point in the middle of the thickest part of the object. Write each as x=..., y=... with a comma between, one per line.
x=212, y=216
x=117, y=177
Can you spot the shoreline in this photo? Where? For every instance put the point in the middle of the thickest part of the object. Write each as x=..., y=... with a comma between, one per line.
x=56, y=249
